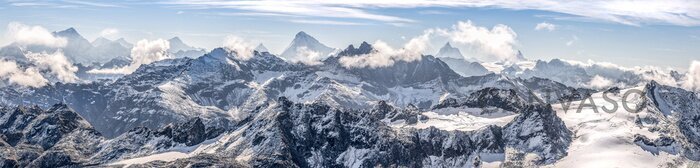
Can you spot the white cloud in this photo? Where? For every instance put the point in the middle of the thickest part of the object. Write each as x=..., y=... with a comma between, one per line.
x=325, y=22
x=599, y=82
x=498, y=42
x=63, y=4
x=692, y=81
x=33, y=35
x=306, y=56
x=609, y=70
x=144, y=52
x=56, y=63
x=675, y=12
x=91, y=3
x=545, y=26
x=384, y=55
x=109, y=32
x=243, y=48
x=29, y=77
x=327, y=9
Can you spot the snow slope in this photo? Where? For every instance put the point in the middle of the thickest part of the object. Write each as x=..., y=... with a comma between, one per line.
x=608, y=139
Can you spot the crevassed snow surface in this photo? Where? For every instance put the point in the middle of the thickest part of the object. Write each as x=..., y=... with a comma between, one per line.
x=607, y=139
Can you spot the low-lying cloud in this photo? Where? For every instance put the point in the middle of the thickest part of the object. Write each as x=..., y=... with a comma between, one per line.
x=56, y=63
x=243, y=48
x=384, y=55
x=306, y=56
x=599, y=82
x=38, y=64
x=497, y=42
x=144, y=52
x=30, y=76
x=33, y=35
x=692, y=81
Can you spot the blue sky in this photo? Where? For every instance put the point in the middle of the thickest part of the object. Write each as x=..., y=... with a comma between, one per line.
x=657, y=33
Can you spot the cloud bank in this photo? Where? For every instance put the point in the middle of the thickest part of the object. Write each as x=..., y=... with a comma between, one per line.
x=497, y=42
x=56, y=63
x=144, y=52
x=693, y=77
x=243, y=49
x=33, y=35
x=30, y=77
x=599, y=82
x=306, y=56
x=384, y=55
x=30, y=74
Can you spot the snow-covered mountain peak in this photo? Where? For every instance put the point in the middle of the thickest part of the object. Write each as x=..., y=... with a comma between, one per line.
x=101, y=41
x=449, y=52
x=124, y=43
x=365, y=48
x=302, y=38
x=304, y=43
x=70, y=32
x=176, y=44
x=180, y=49
x=261, y=48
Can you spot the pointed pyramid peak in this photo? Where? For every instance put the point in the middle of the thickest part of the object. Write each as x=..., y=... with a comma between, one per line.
x=71, y=30
x=68, y=32
x=261, y=48
x=449, y=52
x=305, y=42
x=448, y=45
x=175, y=39
x=301, y=34
x=176, y=44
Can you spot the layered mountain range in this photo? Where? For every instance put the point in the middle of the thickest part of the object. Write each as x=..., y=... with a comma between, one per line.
x=218, y=109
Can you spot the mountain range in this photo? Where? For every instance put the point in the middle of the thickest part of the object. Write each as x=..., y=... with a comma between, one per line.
x=220, y=110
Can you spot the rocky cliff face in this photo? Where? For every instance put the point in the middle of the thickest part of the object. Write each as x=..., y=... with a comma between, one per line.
x=58, y=137
x=312, y=135
x=45, y=138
